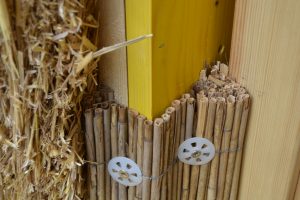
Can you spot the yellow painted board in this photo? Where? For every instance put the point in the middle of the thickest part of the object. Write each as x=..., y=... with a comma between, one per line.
x=265, y=58
x=139, y=56
x=186, y=35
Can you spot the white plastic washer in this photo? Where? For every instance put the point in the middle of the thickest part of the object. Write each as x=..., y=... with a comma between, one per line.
x=125, y=171
x=196, y=151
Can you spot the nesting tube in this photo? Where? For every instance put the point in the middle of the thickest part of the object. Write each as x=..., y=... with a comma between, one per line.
x=90, y=149
x=157, y=143
x=218, y=130
x=100, y=155
x=122, y=142
x=233, y=146
x=188, y=134
x=209, y=128
x=147, y=163
x=140, y=151
x=114, y=146
x=132, y=142
x=238, y=161
x=230, y=108
x=202, y=103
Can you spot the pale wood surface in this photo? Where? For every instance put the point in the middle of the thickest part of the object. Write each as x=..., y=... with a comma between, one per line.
x=297, y=193
x=113, y=66
x=265, y=58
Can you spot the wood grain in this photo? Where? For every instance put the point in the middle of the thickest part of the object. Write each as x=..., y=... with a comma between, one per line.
x=185, y=35
x=265, y=58
x=113, y=66
x=297, y=193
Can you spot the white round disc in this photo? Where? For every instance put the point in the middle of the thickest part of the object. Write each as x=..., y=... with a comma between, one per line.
x=125, y=171
x=196, y=151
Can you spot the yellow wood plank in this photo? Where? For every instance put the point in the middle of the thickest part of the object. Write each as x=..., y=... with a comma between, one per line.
x=186, y=34
x=265, y=59
x=139, y=56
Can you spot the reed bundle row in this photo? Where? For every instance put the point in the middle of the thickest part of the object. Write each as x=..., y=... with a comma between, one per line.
x=216, y=108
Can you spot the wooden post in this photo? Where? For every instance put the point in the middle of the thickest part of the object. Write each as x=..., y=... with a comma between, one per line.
x=265, y=59
x=164, y=67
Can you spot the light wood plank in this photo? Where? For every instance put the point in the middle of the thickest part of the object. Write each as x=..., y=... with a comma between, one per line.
x=297, y=193
x=265, y=58
x=113, y=66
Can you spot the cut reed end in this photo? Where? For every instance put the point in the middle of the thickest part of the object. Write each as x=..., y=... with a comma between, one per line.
x=176, y=104
x=170, y=110
x=166, y=117
x=133, y=112
x=98, y=111
x=158, y=122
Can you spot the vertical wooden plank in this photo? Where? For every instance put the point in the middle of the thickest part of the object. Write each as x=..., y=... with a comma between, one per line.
x=265, y=59
x=186, y=34
x=113, y=66
x=138, y=22
x=297, y=193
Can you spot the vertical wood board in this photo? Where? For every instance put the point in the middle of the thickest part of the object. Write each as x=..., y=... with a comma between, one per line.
x=265, y=59
x=113, y=66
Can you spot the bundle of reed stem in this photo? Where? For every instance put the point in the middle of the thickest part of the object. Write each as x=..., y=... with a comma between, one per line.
x=48, y=63
x=216, y=108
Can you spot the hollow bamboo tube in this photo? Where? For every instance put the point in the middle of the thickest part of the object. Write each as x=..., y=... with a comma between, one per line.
x=147, y=163
x=106, y=120
x=209, y=128
x=230, y=107
x=122, y=123
x=171, y=111
x=100, y=155
x=166, y=141
x=186, y=95
x=237, y=168
x=214, y=168
x=176, y=105
x=140, y=151
x=188, y=134
x=202, y=103
x=132, y=140
x=233, y=146
x=90, y=141
x=157, y=142
x=181, y=139
x=114, y=146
